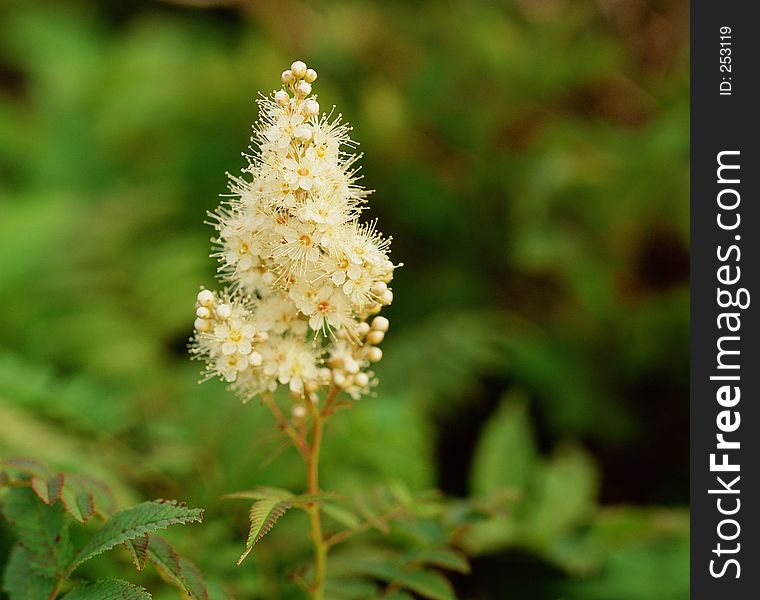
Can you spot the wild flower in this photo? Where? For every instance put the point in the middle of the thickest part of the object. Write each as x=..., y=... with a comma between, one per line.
x=304, y=276
x=304, y=280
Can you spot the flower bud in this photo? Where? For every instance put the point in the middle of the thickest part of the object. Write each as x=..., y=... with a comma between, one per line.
x=362, y=329
x=311, y=108
x=254, y=358
x=310, y=75
x=224, y=311
x=281, y=97
x=299, y=411
x=375, y=337
x=298, y=69
x=202, y=312
x=338, y=378
x=351, y=366
x=380, y=324
x=374, y=354
x=202, y=325
x=205, y=298
x=361, y=379
x=386, y=297
x=287, y=77
x=303, y=88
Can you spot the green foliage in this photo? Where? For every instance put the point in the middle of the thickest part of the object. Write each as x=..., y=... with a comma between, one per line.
x=135, y=522
x=44, y=557
x=108, y=589
x=176, y=569
x=41, y=530
x=21, y=581
x=394, y=572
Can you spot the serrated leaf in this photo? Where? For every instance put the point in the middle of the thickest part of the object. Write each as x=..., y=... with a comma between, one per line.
x=428, y=584
x=135, y=522
x=80, y=505
x=48, y=489
x=260, y=493
x=341, y=514
x=26, y=466
x=41, y=529
x=108, y=589
x=263, y=515
x=176, y=569
x=89, y=491
x=445, y=558
x=138, y=551
x=20, y=582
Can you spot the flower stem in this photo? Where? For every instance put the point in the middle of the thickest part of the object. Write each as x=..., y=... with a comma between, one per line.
x=317, y=536
x=321, y=545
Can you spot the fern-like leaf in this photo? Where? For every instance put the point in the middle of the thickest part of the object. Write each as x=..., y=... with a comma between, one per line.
x=20, y=582
x=135, y=522
x=176, y=569
x=108, y=589
x=40, y=529
x=264, y=514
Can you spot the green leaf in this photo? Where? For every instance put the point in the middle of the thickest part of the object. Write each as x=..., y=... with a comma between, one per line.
x=270, y=493
x=84, y=496
x=20, y=582
x=138, y=551
x=80, y=505
x=176, y=569
x=341, y=514
x=135, y=522
x=40, y=528
x=48, y=489
x=260, y=493
x=506, y=449
x=444, y=558
x=428, y=584
x=26, y=466
x=350, y=589
x=264, y=514
x=108, y=589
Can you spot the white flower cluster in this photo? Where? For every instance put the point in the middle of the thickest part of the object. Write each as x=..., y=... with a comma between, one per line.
x=304, y=277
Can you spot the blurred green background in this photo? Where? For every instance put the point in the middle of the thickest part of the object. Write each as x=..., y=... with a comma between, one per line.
x=531, y=162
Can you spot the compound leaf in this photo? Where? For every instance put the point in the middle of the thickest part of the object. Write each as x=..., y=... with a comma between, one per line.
x=108, y=589
x=135, y=522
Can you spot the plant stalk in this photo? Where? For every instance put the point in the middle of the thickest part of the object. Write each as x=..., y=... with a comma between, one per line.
x=317, y=535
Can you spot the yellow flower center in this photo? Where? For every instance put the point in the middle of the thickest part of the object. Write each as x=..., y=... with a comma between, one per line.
x=323, y=306
x=321, y=151
x=303, y=171
x=305, y=240
x=235, y=336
